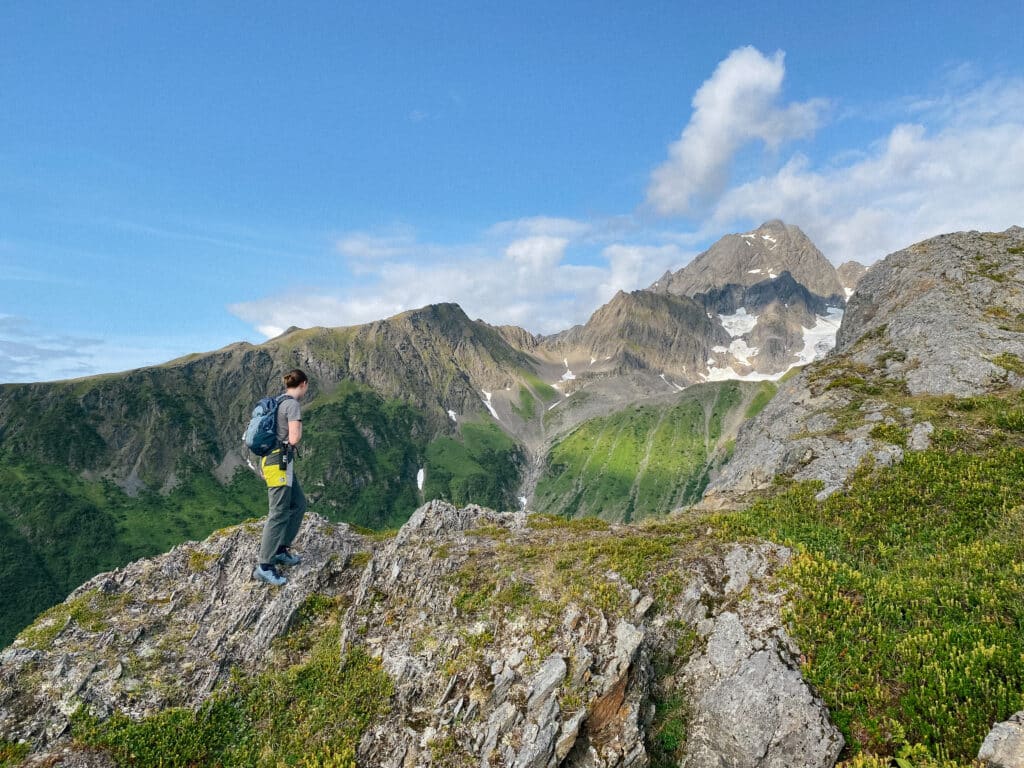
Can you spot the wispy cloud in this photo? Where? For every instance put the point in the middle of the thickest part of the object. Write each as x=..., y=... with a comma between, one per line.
x=959, y=167
x=26, y=354
x=735, y=106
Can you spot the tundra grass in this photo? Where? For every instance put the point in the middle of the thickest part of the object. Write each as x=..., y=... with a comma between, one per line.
x=909, y=587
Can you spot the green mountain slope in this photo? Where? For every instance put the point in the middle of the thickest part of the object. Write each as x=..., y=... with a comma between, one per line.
x=647, y=459
x=101, y=471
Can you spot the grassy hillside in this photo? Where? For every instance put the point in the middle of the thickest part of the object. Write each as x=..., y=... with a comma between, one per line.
x=482, y=467
x=360, y=457
x=57, y=530
x=909, y=587
x=645, y=460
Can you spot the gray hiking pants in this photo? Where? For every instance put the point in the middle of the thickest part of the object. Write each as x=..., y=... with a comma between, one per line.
x=287, y=507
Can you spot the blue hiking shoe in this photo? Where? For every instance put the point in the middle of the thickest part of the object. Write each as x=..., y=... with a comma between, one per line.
x=269, y=575
x=285, y=557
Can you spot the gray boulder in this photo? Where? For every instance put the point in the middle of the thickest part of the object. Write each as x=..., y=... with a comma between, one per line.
x=1004, y=745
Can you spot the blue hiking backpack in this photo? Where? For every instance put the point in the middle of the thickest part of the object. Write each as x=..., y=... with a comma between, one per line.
x=260, y=435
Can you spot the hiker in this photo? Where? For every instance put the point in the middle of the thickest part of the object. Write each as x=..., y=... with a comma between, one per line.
x=287, y=502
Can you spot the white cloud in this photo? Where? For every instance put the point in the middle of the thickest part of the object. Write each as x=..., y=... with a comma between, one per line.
x=535, y=255
x=736, y=105
x=541, y=225
x=364, y=245
x=959, y=168
x=525, y=282
x=638, y=266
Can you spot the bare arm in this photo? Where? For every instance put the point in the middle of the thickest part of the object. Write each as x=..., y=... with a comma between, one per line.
x=294, y=432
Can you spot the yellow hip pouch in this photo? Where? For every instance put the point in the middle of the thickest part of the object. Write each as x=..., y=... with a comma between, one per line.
x=274, y=474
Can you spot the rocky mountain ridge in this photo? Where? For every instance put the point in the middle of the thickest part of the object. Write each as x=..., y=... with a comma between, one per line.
x=491, y=660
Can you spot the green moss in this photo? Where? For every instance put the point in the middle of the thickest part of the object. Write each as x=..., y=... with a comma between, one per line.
x=359, y=560
x=90, y=611
x=667, y=738
x=890, y=433
x=199, y=561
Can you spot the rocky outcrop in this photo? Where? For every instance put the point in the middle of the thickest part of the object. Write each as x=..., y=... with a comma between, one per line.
x=849, y=274
x=160, y=632
x=942, y=312
x=640, y=330
x=798, y=434
x=754, y=257
x=942, y=318
x=750, y=704
x=509, y=642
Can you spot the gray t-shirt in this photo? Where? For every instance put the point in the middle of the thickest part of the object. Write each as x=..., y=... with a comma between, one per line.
x=287, y=411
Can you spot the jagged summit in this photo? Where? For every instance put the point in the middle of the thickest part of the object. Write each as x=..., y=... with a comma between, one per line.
x=752, y=257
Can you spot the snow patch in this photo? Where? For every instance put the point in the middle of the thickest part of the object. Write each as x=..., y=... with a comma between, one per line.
x=738, y=324
x=849, y=292
x=453, y=416
x=769, y=238
x=490, y=407
x=522, y=502
x=821, y=337
x=754, y=271
x=420, y=477
x=720, y=349
x=568, y=375
x=771, y=275
x=672, y=383
x=593, y=360
x=818, y=341
x=742, y=352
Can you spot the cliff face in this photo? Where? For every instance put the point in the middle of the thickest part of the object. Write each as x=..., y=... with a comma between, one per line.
x=503, y=641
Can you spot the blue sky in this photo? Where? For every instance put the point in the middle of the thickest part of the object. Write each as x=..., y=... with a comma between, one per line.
x=178, y=176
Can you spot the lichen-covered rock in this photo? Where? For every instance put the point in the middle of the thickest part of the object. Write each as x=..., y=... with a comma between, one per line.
x=750, y=707
x=1004, y=745
x=942, y=311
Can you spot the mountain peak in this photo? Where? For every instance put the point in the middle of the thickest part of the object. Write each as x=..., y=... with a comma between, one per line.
x=750, y=258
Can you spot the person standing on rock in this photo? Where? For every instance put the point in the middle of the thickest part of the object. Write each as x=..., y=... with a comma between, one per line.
x=286, y=499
